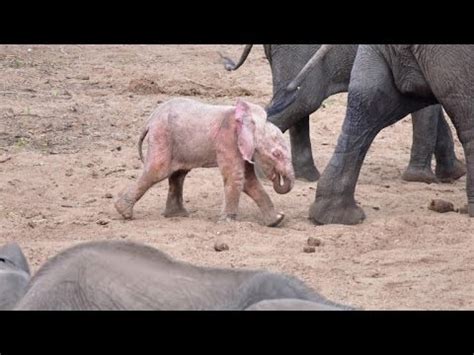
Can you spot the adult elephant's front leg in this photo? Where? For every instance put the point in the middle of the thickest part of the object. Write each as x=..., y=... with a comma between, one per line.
x=373, y=103
x=301, y=153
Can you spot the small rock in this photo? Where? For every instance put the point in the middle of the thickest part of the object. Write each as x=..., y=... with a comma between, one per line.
x=108, y=195
x=376, y=208
x=309, y=249
x=220, y=246
x=441, y=206
x=313, y=242
x=102, y=222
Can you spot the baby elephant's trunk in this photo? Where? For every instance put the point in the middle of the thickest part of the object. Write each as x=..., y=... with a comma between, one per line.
x=283, y=184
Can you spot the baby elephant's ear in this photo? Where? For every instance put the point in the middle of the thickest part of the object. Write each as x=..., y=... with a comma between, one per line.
x=245, y=130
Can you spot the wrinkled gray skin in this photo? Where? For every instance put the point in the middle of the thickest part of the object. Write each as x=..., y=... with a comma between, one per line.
x=119, y=275
x=388, y=82
x=330, y=76
x=14, y=275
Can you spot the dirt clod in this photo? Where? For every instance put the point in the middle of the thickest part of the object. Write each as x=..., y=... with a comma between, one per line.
x=4, y=159
x=103, y=222
x=314, y=242
x=220, y=246
x=441, y=206
x=309, y=249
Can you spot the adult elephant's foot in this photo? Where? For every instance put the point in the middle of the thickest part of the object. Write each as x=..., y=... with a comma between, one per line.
x=335, y=211
x=306, y=172
x=451, y=173
x=175, y=212
x=470, y=209
x=418, y=174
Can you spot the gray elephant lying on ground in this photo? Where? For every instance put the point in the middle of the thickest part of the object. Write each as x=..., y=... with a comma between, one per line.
x=431, y=133
x=388, y=82
x=119, y=275
x=184, y=134
x=14, y=275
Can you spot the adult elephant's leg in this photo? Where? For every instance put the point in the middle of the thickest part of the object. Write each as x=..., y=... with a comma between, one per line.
x=373, y=103
x=302, y=156
x=448, y=167
x=425, y=126
x=461, y=111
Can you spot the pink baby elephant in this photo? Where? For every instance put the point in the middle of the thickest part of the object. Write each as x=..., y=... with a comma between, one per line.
x=184, y=134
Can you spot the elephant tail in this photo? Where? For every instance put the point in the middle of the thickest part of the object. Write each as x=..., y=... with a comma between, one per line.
x=229, y=63
x=140, y=141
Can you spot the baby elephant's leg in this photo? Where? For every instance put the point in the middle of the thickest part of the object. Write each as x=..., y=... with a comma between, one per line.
x=174, y=203
x=152, y=174
x=233, y=174
x=254, y=189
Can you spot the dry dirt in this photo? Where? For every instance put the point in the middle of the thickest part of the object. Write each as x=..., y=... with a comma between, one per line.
x=70, y=117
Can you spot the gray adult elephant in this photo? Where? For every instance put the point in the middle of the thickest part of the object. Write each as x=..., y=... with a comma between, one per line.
x=431, y=133
x=115, y=275
x=387, y=83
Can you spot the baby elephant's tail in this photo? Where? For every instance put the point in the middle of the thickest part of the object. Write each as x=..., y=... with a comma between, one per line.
x=140, y=142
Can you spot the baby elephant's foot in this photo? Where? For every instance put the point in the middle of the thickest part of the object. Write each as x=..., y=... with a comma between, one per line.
x=274, y=220
x=124, y=207
x=175, y=212
x=228, y=217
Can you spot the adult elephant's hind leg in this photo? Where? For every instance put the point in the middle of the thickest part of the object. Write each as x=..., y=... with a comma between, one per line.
x=302, y=156
x=461, y=111
x=373, y=103
x=174, y=202
x=448, y=166
x=425, y=126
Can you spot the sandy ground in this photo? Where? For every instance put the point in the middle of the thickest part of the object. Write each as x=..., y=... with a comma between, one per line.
x=70, y=117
